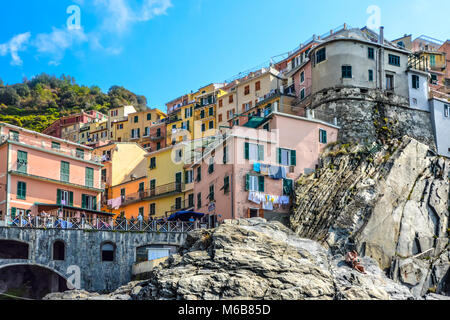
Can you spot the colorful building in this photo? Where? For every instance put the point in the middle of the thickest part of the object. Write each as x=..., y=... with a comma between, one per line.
x=252, y=171
x=40, y=173
x=139, y=126
x=125, y=178
x=77, y=120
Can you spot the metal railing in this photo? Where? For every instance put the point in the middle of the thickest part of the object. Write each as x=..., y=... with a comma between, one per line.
x=105, y=224
x=183, y=205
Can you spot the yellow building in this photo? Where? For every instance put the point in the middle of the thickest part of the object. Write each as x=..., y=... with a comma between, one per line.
x=119, y=114
x=170, y=186
x=125, y=178
x=205, y=122
x=140, y=123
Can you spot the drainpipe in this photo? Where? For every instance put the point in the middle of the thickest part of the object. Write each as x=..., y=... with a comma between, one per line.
x=381, y=58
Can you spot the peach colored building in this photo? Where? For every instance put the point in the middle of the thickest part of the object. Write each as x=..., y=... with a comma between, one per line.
x=252, y=164
x=42, y=173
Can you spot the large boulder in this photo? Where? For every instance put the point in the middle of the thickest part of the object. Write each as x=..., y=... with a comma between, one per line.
x=390, y=202
x=254, y=259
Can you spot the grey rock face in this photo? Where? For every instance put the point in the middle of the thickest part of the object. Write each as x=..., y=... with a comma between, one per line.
x=254, y=259
x=389, y=203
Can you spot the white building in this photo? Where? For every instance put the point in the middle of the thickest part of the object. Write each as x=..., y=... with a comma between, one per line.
x=418, y=89
x=440, y=117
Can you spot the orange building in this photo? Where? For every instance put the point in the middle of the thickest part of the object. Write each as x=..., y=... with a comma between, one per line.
x=41, y=173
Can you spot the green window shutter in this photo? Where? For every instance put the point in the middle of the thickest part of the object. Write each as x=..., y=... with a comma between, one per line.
x=58, y=196
x=247, y=151
x=21, y=190
x=22, y=161
x=95, y=203
x=247, y=182
x=83, y=201
x=260, y=152
x=65, y=171
x=185, y=176
x=279, y=155
x=261, y=183
x=89, y=177
x=71, y=199
x=293, y=157
x=13, y=213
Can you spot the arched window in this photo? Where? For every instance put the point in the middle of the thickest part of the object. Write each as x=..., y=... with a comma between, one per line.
x=108, y=251
x=59, y=251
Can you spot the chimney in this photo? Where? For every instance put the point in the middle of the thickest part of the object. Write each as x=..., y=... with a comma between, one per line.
x=381, y=35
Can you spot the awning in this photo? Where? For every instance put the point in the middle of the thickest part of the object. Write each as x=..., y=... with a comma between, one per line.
x=254, y=122
x=185, y=216
x=44, y=206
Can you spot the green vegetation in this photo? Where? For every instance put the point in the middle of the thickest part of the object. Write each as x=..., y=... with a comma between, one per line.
x=34, y=104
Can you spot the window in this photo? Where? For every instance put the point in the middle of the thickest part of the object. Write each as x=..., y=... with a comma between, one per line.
x=65, y=171
x=211, y=165
x=149, y=116
x=226, y=184
x=220, y=118
x=258, y=86
x=254, y=152
x=80, y=153
x=371, y=53
x=302, y=94
x=189, y=176
x=21, y=190
x=322, y=136
x=104, y=175
x=287, y=157
x=254, y=183
x=199, y=174
x=287, y=187
x=141, y=211
x=211, y=125
x=14, y=135
x=401, y=44
x=191, y=200
x=225, y=154
x=203, y=127
x=247, y=90
x=389, y=82
x=59, y=251
x=158, y=145
x=434, y=79
x=211, y=193
x=446, y=110
x=178, y=203
x=230, y=99
x=56, y=145
x=415, y=81
x=302, y=77
x=135, y=133
x=152, y=163
x=88, y=202
x=370, y=75
x=432, y=60
x=89, y=177
x=136, y=119
x=347, y=72
x=141, y=186
x=220, y=103
x=108, y=252
x=146, y=131
x=211, y=111
x=246, y=106
x=199, y=200
x=153, y=209
x=22, y=161
x=122, y=194
x=394, y=60
x=158, y=132
x=64, y=197
x=321, y=55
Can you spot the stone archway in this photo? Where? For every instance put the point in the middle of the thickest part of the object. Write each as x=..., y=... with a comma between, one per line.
x=29, y=281
x=14, y=249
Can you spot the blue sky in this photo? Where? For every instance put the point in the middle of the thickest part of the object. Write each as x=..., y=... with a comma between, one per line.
x=165, y=48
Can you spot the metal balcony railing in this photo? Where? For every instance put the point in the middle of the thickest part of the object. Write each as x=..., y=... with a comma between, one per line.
x=104, y=224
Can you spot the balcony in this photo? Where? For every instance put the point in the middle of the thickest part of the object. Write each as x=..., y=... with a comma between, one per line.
x=205, y=117
x=157, y=137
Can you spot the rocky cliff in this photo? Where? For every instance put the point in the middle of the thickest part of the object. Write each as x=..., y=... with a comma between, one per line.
x=254, y=259
x=390, y=202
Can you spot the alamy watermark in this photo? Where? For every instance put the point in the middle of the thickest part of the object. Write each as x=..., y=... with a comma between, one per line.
x=74, y=20
x=374, y=20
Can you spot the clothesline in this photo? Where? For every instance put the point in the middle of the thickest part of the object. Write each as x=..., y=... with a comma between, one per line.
x=267, y=200
x=274, y=172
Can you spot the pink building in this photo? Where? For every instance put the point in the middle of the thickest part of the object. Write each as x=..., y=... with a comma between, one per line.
x=55, y=129
x=252, y=172
x=41, y=173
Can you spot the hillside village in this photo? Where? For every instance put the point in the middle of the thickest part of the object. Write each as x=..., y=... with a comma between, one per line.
x=228, y=150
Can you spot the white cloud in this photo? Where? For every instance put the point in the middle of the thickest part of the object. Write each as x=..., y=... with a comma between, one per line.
x=13, y=46
x=121, y=15
x=58, y=41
